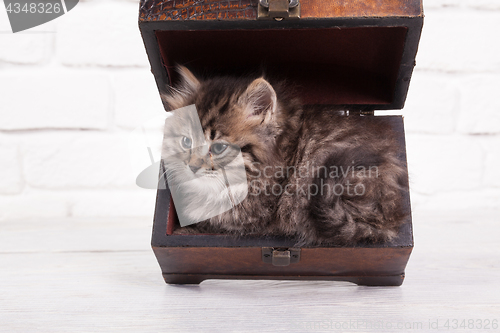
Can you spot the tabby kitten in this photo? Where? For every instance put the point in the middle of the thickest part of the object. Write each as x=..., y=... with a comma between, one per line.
x=313, y=173
x=236, y=115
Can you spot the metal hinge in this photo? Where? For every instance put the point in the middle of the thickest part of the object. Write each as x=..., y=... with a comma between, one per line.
x=279, y=256
x=278, y=10
x=360, y=113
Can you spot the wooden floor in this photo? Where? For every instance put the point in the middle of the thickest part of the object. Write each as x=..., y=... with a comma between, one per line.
x=101, y=276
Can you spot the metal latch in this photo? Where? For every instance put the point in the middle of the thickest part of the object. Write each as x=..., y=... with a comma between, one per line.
x=360, y=113
x=278, y=9
x=280, y=257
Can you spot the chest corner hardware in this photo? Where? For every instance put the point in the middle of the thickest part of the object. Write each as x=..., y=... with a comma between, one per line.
x=280, y=256
x=278, y=10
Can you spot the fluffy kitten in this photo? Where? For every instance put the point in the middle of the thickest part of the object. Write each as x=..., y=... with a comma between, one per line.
x=312, y=173
x=235, y=115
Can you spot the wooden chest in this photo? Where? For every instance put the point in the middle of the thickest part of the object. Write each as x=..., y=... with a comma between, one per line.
x=356, y=53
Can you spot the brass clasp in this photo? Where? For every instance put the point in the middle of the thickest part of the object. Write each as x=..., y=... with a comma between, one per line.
x=280, y=257
x=278, y=10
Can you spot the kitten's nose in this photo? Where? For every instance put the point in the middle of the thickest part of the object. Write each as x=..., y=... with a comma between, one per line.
x=194, y=168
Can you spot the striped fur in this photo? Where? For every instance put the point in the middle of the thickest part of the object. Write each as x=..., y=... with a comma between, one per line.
x=280, y=140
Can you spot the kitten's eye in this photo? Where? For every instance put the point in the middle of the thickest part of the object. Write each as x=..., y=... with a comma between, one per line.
x=218, y=148
x=186, y=142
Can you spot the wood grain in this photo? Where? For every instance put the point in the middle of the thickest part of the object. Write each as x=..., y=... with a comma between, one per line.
x=222, y=10
x=311, y=9
x=64, y=276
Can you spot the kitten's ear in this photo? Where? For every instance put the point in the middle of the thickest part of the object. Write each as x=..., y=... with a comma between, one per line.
x=188, y=85
x=188, y=81
x=259, y=99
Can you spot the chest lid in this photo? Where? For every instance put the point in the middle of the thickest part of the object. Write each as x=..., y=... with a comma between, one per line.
x=357, y=53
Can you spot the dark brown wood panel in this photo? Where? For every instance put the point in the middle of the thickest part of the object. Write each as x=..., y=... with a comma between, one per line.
x=314, y=261
x=373, y=280
x=205, y=10
x=211, y=10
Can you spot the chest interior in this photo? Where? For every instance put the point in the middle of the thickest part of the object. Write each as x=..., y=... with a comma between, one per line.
x=332, y=66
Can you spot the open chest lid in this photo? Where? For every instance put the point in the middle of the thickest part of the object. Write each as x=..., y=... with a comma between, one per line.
x=355, y=53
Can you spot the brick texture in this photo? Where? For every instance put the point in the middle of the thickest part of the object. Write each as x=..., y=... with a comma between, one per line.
x=11, y=180
x=137, y=99
x=77, y=160
x=72, y=90
x=29, y=47
x=101, y=34
x=460, y=41
x=442, y=163
x=432, y=104
x=492, y=161
x=44, y=98
x=479, y=111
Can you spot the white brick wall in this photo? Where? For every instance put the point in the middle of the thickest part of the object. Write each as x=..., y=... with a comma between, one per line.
x=444, y=163
x=437, y=112
x=69, y=160
x=32, y=48
x=71, y=90
x=101, y=33
x=460, y=40
x=492, y=162
x=480, y=110
x=452, y=114
x=136, y=98
x=11, y=180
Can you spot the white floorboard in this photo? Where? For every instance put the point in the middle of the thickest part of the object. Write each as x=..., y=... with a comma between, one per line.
x=101, y=276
